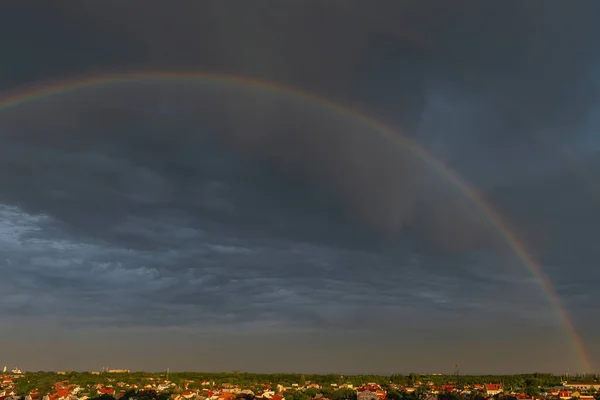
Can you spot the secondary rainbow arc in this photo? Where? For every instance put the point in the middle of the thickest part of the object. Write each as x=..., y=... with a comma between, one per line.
x=38, y=92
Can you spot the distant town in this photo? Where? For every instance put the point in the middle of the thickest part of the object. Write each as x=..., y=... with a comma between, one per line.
x=122, y=384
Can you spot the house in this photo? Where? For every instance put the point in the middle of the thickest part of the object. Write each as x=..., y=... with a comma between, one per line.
x=107, y=390
x=267, y=394
x=564, y=394
x=582, y=385
x=492, y=389
x=370, y=392
x=226, y=396
x=366, y=395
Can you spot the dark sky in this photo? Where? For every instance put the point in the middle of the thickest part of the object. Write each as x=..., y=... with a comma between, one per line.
x=217, y=227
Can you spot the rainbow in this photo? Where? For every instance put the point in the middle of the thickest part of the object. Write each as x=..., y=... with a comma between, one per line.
x=40, y=91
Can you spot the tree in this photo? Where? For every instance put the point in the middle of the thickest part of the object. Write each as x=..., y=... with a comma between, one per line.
x=449, y=396
x=394, y=395
x=532, y=391
x=23, y=387
x=103, y=397
x=128, y=395
x=344, y=394
x=412, y=379
x=409, y=396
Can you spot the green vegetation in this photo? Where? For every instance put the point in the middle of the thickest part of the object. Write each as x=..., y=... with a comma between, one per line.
x=530, y=384
x=340, y=394
x=43, y=381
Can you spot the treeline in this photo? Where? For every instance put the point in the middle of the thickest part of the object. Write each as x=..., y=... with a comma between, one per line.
x=242, y=378
x=45, y=380
x=543, y=380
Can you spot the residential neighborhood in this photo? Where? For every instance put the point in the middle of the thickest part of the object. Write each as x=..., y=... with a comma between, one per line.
x=124, y=385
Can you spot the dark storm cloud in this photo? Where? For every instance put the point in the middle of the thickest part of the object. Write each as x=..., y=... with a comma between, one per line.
x=354, y=169
x=397, y=61
x=145, y=220
x=533, y=61
x=555, y=216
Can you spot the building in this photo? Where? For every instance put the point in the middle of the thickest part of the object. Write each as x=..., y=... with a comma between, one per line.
x=366, y=395
x=564, y=394
x=370, y=392
x=493, y=389
x=582, y=385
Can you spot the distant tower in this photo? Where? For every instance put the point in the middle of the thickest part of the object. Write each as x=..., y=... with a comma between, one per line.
x=457, y=374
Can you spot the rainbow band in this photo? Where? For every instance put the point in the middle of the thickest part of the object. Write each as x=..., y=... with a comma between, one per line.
x=60, y=87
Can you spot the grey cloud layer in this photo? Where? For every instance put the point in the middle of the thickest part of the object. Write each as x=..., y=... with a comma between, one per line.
x=533, y=63
x=353, y=168
x=132, y=237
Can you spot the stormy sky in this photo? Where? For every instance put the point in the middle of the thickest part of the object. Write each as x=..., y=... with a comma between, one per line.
x=211, y=226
